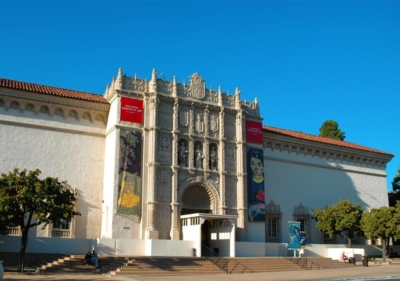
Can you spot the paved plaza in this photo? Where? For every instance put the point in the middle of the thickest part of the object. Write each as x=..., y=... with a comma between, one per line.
x=373, y=272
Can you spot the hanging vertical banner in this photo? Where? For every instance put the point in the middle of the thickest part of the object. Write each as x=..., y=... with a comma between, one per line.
x=131, y=110
x=129, y=172
x=255, y=185
x=294, y=235
x=254, y=132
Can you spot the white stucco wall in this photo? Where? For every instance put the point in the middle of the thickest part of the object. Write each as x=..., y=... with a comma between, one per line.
x=68, y=149
x=291, y=179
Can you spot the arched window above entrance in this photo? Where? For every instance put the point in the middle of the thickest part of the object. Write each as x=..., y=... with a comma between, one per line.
x=197, y=199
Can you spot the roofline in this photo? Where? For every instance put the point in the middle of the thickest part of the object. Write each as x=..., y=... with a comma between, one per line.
x=324, y=140
x=50, y=90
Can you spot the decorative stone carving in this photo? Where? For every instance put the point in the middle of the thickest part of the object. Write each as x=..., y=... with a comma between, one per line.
x=198, y=153
x=231, y=191
x=164, y=149
x=214, y=179
x=163, y=221
x=183, y=175
x=164, y=116
x=197, y=86
x=213, y=158
x=184, y=116
x=230, y=163
x=199, y=125
x=213, y=96
x=164, y=191
x=230, y=128
x=300, y=210
x=183, y=153
x=214, y=122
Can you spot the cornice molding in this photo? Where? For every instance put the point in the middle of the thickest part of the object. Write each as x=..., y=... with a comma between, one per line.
x=52, y=108
x=326, y=151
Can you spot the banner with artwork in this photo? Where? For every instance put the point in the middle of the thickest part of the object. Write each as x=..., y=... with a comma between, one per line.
x=129, y=173
x=294, y=235
x=255, y=185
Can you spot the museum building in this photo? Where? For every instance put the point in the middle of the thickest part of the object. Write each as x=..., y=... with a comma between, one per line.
x=162, y=160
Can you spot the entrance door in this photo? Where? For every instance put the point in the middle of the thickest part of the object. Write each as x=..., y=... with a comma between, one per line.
x=205, y=239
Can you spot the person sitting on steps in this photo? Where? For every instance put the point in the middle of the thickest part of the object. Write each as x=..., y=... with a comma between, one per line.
x=88, y=258
x=95, y=257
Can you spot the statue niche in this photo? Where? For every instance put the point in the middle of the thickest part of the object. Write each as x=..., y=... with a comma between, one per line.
x=182, y=153
x=213, y=157
x=198, y=155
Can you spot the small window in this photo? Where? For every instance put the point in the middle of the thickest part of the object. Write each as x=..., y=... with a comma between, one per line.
x=302, y=224
x=272, y=228
x=63, y=224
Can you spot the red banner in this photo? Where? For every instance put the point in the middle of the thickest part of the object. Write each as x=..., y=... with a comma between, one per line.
x=254, y=132
x=131, y=110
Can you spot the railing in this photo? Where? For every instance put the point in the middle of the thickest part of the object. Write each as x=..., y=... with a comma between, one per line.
x=221, y=262
x=13, y=231
x=300, y=261
x=61, y=233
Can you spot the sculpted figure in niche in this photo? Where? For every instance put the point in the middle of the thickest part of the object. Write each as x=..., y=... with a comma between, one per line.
x=213, y=158
x=182, y=154
x=199, y=157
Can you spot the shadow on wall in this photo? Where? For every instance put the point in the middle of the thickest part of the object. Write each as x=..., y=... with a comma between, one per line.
x=292, y=179
x=42, y=247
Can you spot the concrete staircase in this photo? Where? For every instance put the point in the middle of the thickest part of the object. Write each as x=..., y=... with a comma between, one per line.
x=172, y=266
x=153, y=266
x=321, y=263
x=75, y=264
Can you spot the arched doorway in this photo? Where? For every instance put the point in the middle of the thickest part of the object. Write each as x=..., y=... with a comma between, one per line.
x=196, y=198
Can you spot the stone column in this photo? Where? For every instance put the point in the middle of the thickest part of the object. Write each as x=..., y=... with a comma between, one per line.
x=206, y=144
x=174, y=232
x=221, y=164
x=151, y=230
x=242, y=177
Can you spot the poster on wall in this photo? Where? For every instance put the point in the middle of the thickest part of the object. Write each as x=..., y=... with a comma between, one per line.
x=255, y=185
x=254, y=132
x=129, y=173
x=131, y=110
x=294, y=235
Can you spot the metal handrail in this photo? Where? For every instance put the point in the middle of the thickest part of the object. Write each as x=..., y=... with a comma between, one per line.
x=301, y=261
x=222, y=262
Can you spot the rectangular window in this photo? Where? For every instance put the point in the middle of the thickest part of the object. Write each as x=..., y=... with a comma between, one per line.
x=272, y=227
x=63, y=224
x=302, y=224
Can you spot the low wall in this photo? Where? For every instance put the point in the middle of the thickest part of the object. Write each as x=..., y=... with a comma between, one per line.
x=105, y=247
x=10, y=245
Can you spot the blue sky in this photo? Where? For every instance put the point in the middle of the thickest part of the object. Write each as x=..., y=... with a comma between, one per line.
x=306, y=61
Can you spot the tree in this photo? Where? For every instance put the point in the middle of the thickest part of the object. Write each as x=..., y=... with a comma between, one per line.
x=396, y=181
x=394, y=195
x=26, y=201
x=383, y=223
x=330, y=129
x=342, y=218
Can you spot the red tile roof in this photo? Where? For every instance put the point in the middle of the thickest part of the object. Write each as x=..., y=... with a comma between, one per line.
x=303, y=136
x=48, y=90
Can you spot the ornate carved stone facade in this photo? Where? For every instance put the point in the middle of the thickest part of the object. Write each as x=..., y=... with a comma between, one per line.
x=193, y=131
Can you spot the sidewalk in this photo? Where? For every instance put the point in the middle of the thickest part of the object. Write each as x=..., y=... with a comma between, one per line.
x=373, y=272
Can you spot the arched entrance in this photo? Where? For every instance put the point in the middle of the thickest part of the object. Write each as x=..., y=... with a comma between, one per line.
x=196, y=198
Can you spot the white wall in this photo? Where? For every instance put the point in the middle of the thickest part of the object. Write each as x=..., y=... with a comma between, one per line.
x=192, y=233
x=68, y=149
x=291, y=179
x=172, y=248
